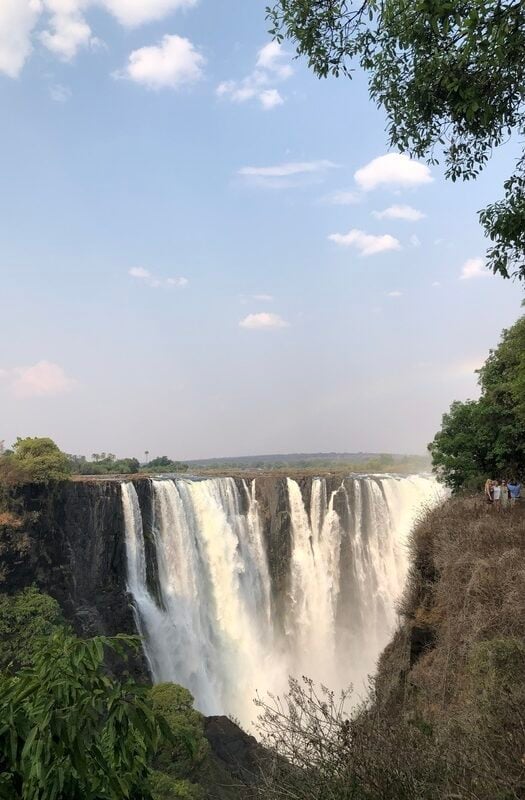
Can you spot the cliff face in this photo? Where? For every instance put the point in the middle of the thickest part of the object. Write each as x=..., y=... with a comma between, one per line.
x=69, y=540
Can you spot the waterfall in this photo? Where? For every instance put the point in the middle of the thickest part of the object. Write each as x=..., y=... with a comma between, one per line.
x=212, y=624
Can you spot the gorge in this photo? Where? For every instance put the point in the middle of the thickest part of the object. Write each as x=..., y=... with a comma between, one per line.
x=234, y=583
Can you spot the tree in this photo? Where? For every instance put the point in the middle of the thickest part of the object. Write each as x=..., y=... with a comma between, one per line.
x=449, y=76
x=68, y=731
x=485, y=438
x=40, y=459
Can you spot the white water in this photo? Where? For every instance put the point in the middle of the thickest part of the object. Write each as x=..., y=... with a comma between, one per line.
x=214, y=628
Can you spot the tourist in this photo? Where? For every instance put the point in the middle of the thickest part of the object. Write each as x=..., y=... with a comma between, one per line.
x=505, y=499
x=489, y=491
x=514, y=491
x=496, y=494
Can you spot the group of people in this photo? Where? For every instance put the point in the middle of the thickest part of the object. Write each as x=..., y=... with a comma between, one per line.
x=502, y=494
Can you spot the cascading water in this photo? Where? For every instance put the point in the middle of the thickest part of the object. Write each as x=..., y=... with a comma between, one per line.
x=213, y=626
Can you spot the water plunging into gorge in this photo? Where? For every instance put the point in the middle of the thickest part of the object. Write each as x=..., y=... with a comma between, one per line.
x=238, y=584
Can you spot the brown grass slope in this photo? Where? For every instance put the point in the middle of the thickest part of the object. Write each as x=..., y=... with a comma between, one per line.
x=455, y=670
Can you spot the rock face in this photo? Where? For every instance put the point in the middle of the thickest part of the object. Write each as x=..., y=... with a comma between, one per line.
x=71, y=544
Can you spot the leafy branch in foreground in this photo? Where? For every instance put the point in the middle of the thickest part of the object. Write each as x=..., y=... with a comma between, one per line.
x=69, y=731
x=450, y=76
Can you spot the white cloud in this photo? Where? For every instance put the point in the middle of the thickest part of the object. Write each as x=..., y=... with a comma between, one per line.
x=68, y=31
x=263, y=320
x=393, y=169
x=17, y=20
x=59, y=93
x=473, y=268
x=271, y=66
x=64, y=28
x=436, y=284
x=400, y=212
x=273, y=58
x=366, y=243
x=342, y=198
x=156, y=283
x=172, y=63
x=395, y=294
x=415, y=241
x=270, y=98
x=43, y=379
x=136, y=12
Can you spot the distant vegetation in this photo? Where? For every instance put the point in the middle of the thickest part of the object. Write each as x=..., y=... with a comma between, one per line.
x=311, y=462
x=485, y=438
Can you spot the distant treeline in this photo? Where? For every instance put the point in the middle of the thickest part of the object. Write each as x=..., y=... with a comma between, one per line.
x=349, y=462
x=109, y=464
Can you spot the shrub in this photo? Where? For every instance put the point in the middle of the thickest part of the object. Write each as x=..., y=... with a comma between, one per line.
x=187, y=749
x=25, y=618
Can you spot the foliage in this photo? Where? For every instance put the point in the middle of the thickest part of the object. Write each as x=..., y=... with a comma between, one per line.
x=449, y=75
x=103, y=464
x=35, y=460
x=165, y=464
x=25, y=618
x=164, y=787
x=485, y=438
x=68, y=731
x=179, y=758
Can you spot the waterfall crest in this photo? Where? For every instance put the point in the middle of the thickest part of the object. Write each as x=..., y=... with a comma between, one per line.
x=212, y=624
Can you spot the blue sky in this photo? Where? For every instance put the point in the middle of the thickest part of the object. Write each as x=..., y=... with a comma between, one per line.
x=205, y=252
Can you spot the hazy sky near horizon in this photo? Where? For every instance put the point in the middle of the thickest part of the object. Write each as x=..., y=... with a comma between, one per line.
x=205, y=251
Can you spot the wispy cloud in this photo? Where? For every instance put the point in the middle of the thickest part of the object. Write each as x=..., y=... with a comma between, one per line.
x=59, y=93
x=474, y=268
x=393, y=169
x=341, y=198
x=415, y=241
x=263, y=320
x=289, y=174
x=365, y=243
x=400, y=212
x=172, y=63
x=395, y=293
x=43, y=379
x=146, y=276
x=272, y=66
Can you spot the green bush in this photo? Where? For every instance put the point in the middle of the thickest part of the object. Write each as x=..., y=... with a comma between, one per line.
x=25, y=618
x=164, y=787
x=188, y=747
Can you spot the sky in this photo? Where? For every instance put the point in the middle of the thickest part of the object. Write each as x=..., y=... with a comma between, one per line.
x=206, y=251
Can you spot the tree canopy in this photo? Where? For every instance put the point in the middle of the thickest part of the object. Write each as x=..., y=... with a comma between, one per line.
x=37, y=460
x=450, y=77
x=485, y=438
